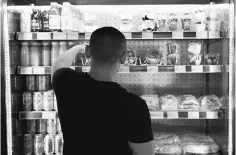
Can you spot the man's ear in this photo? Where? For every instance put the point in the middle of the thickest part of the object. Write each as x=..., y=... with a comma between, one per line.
x=123, y=57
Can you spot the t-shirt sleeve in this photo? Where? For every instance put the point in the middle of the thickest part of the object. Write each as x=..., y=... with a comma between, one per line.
x=139, y=125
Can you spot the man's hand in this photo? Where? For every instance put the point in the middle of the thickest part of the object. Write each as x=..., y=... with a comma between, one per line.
x=65, y=59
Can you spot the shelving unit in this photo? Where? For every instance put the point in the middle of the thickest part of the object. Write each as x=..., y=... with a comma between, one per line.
x=28, y=115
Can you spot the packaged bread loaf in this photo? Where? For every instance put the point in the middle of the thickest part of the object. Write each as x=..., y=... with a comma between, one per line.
x=153, y=57
x=167, y=149
x=168, y=102
x=224, y=100
x=209, y=102
x=166, y=138
x=188, y=102
x=152, y=101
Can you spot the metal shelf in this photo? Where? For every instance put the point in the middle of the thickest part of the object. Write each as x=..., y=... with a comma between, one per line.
x=186, y=114
x=129, y=35
x=132, y=69
x=37, y=115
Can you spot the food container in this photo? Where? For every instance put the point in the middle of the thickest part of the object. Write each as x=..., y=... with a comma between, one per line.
x=131, y=58
x=194, y=48
x=214, y=25
x=149, y=22
x=201, y=15
x=161, y=22
x=126, y=24
x=212, y=59
x=173, y=22
x=213, y=14
x=200, y=26
x=153, y=57
x=186, y=22
x=173, y=48
x=195, y=59
x=173, y=59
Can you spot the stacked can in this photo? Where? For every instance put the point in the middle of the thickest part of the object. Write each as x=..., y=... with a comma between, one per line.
x=59, y=144
x=38, y=144
x=49, y=144
x=48, y=100
x=28, y=144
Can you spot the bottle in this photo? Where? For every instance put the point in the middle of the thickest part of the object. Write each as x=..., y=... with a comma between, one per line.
x=45, y=21
x=66, y=17
x=46, y=54
x=25, y=21
x=54, y=51
x=63, y=47
x=36, y=23
x=25, y=54
x=35, y=56
x=54, y=18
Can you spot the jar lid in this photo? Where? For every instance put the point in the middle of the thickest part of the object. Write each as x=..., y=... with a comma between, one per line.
x=25, y=43
x=54, y=43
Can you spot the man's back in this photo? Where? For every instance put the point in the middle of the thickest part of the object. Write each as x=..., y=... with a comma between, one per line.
x=99, y=117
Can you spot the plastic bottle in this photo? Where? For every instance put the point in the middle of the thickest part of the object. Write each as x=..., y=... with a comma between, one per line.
x=54, y=51
x=66, y=17
x=54, y=18
x=35, y=56
x=46, y=54
x=25, y=54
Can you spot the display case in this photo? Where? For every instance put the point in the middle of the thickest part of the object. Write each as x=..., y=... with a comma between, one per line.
x=182, y=63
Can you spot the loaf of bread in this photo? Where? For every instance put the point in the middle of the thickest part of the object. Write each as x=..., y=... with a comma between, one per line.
x=167, y=149
x=166, y=138
x=168, y=102
x=188, y=102
x=152, y=101
x=209, y=102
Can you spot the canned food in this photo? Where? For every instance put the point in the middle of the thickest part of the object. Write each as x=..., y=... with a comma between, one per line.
x=30, y=83
x=59, y=144
x=17, y=83
x=43, y=82
x=15, y=102
x=48, y=101
x=27, y=101
x=59, y=131
x=55, y=103
x=31, y=126
x=16, y=126
x=49, y=144
x=28, y=144
x=38, y=144
x=51, y=126
x=38, y=101
x=41, y=126
x=16, y=144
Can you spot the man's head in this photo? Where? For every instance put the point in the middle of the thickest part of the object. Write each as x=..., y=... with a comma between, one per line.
x=107, y=46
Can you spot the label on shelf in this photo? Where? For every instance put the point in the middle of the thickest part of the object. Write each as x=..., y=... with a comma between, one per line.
x=48, y=115
x=87, y=35
x=157, y=114
x=172, y=114
x=44, y=36
x=152, y=69
x=72, y=36
x=202, y=35
x=59, y=36
x=214, y=68
x=26, y=70
x=214, y=34
x=25, y=36
x=147, y=35
x=86, y=69
x=177, y=35
x=127, y=35
x=193, y=115
x=124, y=69
x=38, y=70
x=212, y=115
x=197, y=69
x=180, y=69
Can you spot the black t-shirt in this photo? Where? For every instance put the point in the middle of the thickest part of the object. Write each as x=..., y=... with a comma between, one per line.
x=99, y=117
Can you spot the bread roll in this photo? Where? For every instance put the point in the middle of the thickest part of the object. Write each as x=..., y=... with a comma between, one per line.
x=209, y=102
x=152, y=101
x=188, y=102
x=169, y=102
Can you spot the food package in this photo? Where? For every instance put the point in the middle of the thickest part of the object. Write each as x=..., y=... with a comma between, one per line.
x=173, y=48
x=173, y=22
x=166, y=138
x=90, y=22
x=212, y=59
x=188, y=102
x=152, y=101
x=224, y=102
x=173, y=56
x=167, y=149
x=209, y=102
x=200, y=15
x=131, y=58
x=149, y=23
x=126, y=23
x=168, y=102
x=153, y=56
x=194, y=51
x=186, y=22
x=161, y=22
x=200, y=27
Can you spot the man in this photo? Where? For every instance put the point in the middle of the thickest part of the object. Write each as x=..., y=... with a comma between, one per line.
x=97, y=115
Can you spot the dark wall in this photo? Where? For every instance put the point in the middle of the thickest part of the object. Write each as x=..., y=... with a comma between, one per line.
x=115, y=2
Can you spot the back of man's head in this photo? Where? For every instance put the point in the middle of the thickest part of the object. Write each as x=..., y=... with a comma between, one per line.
x=107, y=45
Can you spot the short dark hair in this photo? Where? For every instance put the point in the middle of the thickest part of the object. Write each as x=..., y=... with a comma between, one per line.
x=107, y=44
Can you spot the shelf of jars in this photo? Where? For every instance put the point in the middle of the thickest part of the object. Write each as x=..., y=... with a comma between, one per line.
x=130, y=69
x=128, y=35
x=37, y=115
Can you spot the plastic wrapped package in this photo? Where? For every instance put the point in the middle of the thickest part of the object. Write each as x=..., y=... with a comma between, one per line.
x=212, y=59
x=194, y=51
x=131, y=58
x=149, y=23
x=209, y=102
x=188, y=102
x=200, y=15
x=161, y=22
x=153, y=57
x=126, y=22
x=186, y=22
x=169, y=102
x=167, y=149
x=152, y=101
x=166, y=138
x=173, y=22
x=173, y=54
x=224, y=100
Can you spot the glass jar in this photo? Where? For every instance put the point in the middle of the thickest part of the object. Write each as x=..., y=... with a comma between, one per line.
x=25, y=54
x=46, y=54
x=54, y=51
x=35, y=56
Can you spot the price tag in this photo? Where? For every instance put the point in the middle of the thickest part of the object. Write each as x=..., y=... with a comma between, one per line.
x=124, y=69
x=59, y=36
x=177, y=35
x=44, y=36
x=173, y=114
x=147, y=35
x=180, y=69
x=152, y=69
x=25, y=36
x=214, y=34
x=214, y=68
x=26, y=70
x=202, y=35
x=197, y=69
x=87, y=35
x=157, y=114
x=38, y=70
x=48, y=115
x=86, y=69
x=127, y=35
x=72, y=36
x=193, y=115
x=212, y=115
